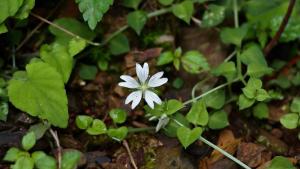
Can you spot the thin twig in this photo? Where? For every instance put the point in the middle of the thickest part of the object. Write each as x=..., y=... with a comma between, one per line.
x=125, y=144
x=27, y=38
x=59, y=149
x=283, y=24
x=64, y=30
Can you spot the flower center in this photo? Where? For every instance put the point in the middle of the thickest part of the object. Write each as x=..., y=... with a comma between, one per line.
x=144, y=87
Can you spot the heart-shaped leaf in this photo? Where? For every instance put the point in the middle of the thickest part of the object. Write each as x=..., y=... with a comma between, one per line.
x=40, y=92
x=118, y=134
x=136, y=20
x=118, y=115
x=83, y=121
x=173, y=106
x=184, y=10
x=187, y=136
x=98, y=127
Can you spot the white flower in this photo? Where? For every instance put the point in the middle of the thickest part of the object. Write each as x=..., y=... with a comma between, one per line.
x=143, y=86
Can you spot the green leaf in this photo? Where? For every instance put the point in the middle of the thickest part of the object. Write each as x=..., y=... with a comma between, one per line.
x=262, y=95
x=3, y=28
x=281, y=81
x=83, y=121
x=234, y=35
x=295, y=106
x=23, y=162
x=40, y=92
x=245, y=102
x=119, y=45
x=218, y=120
x=3, y=111
x=118, y=134
x=165, y=58
x=216, y=99
x=25, y=9
x=280, y=162
x=187, y=136
x=198, y=114
x=58, y=57
x=184, y=10
x=174, y=123
x=9, y=8
x=165, y=2
x=213, y=16
x=73, y=26
x=136, y=20
x=87, y=72
x=173, y=106
x=252, y=54
x=93, y=10
x=75, y=46
x=290, y=120
x=193, y=62
x=28, y=141
x=261, y=111
x=12, y=154
x=43, y=161
x=257, y=71
x=98, y=127
x=132, y=3
x=118, y=115
x=226, y=69
x=70, y=159
x=251, y=88
x=39, y=129
x=267, y=17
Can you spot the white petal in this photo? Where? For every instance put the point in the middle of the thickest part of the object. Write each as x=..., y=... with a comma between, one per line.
x=142, y=72
x=130, y=82
x=135, y=97
x=151, y=97
x=156, y=80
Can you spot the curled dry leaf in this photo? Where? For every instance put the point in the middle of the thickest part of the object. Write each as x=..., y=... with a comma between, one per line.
x=227, y=142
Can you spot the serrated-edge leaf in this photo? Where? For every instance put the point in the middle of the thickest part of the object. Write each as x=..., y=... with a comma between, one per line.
x=93, y=10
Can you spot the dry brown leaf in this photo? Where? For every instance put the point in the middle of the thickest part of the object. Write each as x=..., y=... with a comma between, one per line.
x=227, y=142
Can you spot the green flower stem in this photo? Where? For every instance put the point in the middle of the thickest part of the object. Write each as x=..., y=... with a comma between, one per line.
x=122, y=29
x=230, y=56
x=136, y=130
x=236, y=16
x=208, y=92
x=200, y=83
x=236, y=25
x=159, y=12
x=224, y=153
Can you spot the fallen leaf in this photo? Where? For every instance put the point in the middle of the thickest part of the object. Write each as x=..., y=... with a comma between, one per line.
x=227, y=142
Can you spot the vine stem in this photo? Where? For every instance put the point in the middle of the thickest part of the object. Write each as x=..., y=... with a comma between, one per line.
x=224, y=152
x=208, y=92
x=236, y=16
x=64, y=30
x=282, y=26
